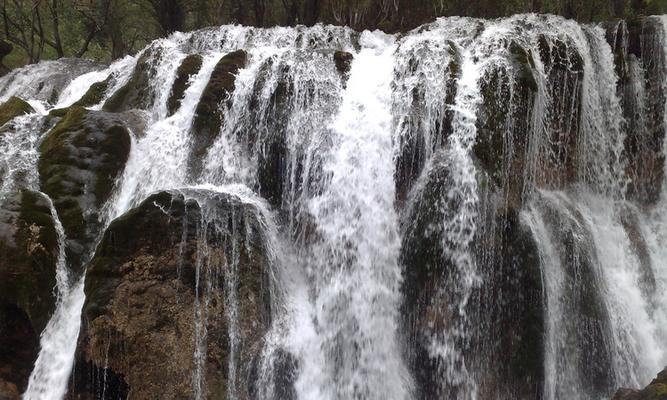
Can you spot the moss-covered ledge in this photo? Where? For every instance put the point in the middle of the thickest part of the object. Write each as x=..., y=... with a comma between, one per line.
x=80, y=161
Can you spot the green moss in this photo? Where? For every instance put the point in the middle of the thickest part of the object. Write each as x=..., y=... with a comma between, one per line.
x=13, y=108
x=658, y=391
x=117, y=100
x=58, y=112
x=135, y=93
x=51, y=148
x=116, y=144
x=95, y=94
x=83, y=140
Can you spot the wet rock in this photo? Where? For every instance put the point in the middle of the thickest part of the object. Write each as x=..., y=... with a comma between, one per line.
x=19, y=347
x=136, y=121
x=188, y=68
x=588, y=322
x=177, y=252
x=12, y=108
x=637, y=45
x=29, y=250
x=412, y=154
x=504, y=124
x=632, y=225
x=208, y=115
x=284, y=373
x=272, y=158
x=505, y=310
x=28, y=258
x=95, y=94
x=343, y=61
x=81, y=159
x=136, y=92
x=656, y=390
x=564, y=68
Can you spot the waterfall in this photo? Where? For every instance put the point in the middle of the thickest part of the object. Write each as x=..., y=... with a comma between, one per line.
x=408, y=190
x=49, y=378
x=18, y=146
x=354, y=265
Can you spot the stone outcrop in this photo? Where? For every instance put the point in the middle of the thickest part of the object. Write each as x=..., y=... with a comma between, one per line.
x=12, y=108
x=656, y=390
x=80, y=160
x=208, y=115
x=28, y=260
x=637, y=45
x=94, y=94
x=175, y=253
x=432, y=290
x=188, y=68
x=5, y=49
x=136, y=92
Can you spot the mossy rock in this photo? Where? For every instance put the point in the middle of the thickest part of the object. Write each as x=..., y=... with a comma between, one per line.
x=28, y=255
x=142, y=285
x=12, y=108
x=136, y=92
x=81, y=159
x=28, y=261
x=94, y=94
x=208, y=115
x=657, y=390
x=58, y=112
x=188, y=68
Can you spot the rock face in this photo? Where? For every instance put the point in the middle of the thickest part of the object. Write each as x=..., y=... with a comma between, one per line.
x=497, y=117
x=637, y=45
x=657, y=390
x=81, y=158
x=188, y=68
x=136, y=92
x=94, y=95
x=183, y=271
x=512, y=333
x=28, y=256
x=13, y=108
x=208, y=115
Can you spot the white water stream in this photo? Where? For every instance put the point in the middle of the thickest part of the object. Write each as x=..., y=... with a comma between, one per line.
x=333, y=224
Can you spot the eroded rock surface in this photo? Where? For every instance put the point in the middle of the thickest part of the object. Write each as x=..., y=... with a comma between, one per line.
x=167, y=279
x=28, y=260
x=81, y=158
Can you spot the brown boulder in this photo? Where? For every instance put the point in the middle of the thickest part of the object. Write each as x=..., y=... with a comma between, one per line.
x=183, y=272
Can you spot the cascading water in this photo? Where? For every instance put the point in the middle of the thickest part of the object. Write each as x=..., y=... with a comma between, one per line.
x=18, y=146
x=354, y=265
x=379, y=166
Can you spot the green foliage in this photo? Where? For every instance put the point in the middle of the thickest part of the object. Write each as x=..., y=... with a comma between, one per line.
x=109, y=29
